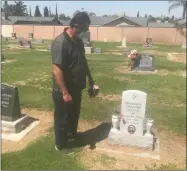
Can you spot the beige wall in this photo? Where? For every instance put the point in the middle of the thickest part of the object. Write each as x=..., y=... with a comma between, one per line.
x=58, y=30
x=113, y=34
x=44, y=32
x=23, y=30
x=6, y=30
x=135, y=34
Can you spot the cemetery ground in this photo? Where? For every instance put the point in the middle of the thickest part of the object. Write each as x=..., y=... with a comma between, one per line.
x=166, y=103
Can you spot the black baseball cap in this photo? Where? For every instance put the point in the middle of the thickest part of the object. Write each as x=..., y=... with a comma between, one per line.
x=80, y=19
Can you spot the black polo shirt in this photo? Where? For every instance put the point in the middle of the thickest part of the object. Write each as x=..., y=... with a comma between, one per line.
x=70, y=56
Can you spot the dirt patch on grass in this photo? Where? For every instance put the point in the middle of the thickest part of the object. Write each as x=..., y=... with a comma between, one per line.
x=162, y=72
x=126, y=69
x=177, y=57
x=172, y=150
x=109, y=97
x=155, y=52
x=46, y=119
x=172, y=147
x=114, y=53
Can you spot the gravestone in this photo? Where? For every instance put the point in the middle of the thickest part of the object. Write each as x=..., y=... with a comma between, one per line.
x=25, y=43
x=145, y=63
x=124, y=42
x=148, y=43
x=134, y=128
x=39, y=41
x=85, y=36
x=184, y=44
x=105, y=40
x=97, y=50
x=13, y=121
x=49, y=48
x=10, y=107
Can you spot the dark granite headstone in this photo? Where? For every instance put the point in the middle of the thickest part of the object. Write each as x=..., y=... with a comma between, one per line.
x=97, y=50
x=10, y=107
x=85, y=36
x=146, y=63
x=25, y=43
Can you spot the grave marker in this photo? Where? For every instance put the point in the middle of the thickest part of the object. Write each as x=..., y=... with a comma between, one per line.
x=134, y=128
x=10, y=107
x=145, y=63
x=148, y=43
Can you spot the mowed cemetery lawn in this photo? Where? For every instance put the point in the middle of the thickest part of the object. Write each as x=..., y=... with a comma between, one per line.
x=31, y=73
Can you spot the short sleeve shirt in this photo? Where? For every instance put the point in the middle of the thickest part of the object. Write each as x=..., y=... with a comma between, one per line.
x=65, y=52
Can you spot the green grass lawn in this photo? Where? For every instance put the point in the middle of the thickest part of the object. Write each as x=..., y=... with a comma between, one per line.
x=166, y=98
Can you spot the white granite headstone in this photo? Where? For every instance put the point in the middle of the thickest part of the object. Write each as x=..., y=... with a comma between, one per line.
x=133, y=112
x=134, y=128
x=105, y=40
x=184, y=44
x=124, y=42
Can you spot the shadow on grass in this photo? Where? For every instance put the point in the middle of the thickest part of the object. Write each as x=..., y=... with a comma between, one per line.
x=92, y=136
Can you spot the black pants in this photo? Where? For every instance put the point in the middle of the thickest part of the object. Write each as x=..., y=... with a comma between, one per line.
x=66, y=116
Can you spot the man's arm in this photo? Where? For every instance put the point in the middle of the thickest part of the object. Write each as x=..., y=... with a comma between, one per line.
x=59, y=77
x=59, y=62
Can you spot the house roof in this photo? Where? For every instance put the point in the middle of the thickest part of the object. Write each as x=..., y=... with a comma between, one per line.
x=142, y=21
x=34, y=19
x=161, y=25
x=65, y=22
x=6, y=22
x=95, y=20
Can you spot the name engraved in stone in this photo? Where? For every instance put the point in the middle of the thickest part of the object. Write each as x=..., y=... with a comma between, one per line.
x=133, y=119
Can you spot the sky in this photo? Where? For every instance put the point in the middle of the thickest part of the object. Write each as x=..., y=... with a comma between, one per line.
x=130, y=8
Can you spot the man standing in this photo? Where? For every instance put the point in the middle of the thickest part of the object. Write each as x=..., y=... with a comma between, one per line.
x=70, y=68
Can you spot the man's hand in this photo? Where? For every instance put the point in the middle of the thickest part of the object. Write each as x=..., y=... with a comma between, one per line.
x=91, y=82
x=67, y=98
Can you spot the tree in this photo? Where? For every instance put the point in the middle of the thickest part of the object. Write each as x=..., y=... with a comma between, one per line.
x=145, y=15
x=151, y=18
x=92, y=14
x=173, y=18
x=53, y=15
x=37, y=12
x=180, y=29
x=30, y=12
x=27, y=14
x=176, y=4
x=46, y=12
x=56, y=11
x=63, y=17
x=6, y=10
x=20, y=9
x=138, y=14
x=49, y=12
x=17, y=9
